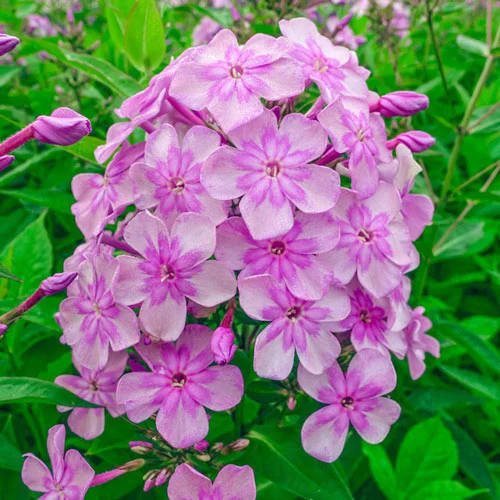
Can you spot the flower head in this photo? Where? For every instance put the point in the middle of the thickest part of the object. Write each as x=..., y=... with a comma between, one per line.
x=232, y=483
x=354, y=397
x=180, y=384
x=71, y=475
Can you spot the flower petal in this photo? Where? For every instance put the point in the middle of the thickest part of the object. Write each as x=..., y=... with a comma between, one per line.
x=324, y=433
x=36, y=475
x=328, y=387
x=257, y=297
x=235, y=483
x=187, y=482
x=78, y=473
x=88, y=423
x=166, y=320
x=145, y=232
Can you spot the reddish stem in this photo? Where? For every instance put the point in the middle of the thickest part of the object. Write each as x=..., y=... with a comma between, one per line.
x=16, y=140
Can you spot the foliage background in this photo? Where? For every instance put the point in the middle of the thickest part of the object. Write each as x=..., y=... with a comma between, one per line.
x=446, y=443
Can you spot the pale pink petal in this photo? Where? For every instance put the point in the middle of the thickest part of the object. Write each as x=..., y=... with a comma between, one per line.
x=342, y=262
x=380, y=277
x=221, y=174
x=126, y=333
x=274, y=352
x=193, y=347
x=324, y=433
x=256, y=132
x=370, y=374
x=319, y=233
x=130, y=289
x=143, y=177
x=233, y=241
x=364, y=172
x=87, y=423
x=267, y=213
x=142, y=393
x=166, y=320
x=182, y=421
x=235, y=483
x=318, y=350
x=145, y=231
x=187, y=483
x=335, y=305
x=78, y=473
x=200, y=142
x=192, y=239
x=385, y=200
x=159, y=145
x=36, y=476
x=373, y=418
x=332, y=120
x=218, y=388
x=55, y=448
x=418, y=211
x=308, y=283
x=327, y=387
x=256, y=297
x=317, y=190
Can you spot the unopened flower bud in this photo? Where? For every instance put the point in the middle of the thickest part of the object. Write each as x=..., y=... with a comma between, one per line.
x=57, y=283
x=415, y=140
x=402, y=103
x=64, y=127
x=3, y=329
x=132, y=465
x=7, y=43
x=239, y=444
x=5, y=161
x=291, y=402
x=218, y=447
x=162, y=477
x=149, y=484
x=204, y=458
x=222, y=345
x=201, y=446
x=140, y=447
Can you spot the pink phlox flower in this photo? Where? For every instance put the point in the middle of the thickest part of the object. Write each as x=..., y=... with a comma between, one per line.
x=374, y=243
x=71, y=475
x=95, y=319
x=417, y=209
x=295, y=325
x=399, y=313
x=205, y=30
x=371, y=324
x=354, y=397
x=229, y=80
x=168, y=178
x=291, y=258
x=98, y=195
x=39, y=26
x=98, y=387
x=419, y=342
x=362, y=135
x=271, y=168
x=232, y=483
x=172, y=267
x=334, y=69
x=179, y=387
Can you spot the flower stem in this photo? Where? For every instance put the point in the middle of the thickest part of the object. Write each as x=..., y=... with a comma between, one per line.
x=11, y=316
x=16, y=140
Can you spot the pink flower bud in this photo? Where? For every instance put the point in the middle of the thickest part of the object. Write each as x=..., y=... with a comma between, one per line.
x=402, y=103
x=5, y=161
x=222, y=345
x=415, y=140
x=162, y=477
x=140, y=447
x=57, y=283
x=7, y=43
x=149, y=484
x=239, y=444
x=201, y=446
x=64, y=127
x=3, y=329
x=291, y=402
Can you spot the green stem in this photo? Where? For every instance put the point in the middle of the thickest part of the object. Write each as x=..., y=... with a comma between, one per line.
x=462, y=128
x=40, y=443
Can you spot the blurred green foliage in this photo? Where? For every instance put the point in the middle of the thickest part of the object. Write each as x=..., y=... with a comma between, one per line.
x=446, y=443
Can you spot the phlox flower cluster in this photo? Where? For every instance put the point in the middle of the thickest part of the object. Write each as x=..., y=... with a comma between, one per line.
x=235, y=201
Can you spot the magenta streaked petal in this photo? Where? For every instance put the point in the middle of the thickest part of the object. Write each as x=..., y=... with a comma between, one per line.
x=235, y=483
x=88, y=423
x=257, y=294
x=328, y=387
x=319, y=349
x=187, y=482
x=147, y=234
x=36, y=475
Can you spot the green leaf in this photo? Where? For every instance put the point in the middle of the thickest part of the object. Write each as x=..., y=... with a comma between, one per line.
x=428, y=453
x=264, y=391
x=145, y=36
x=117, y=12
x=382, y=470
x=10, y=457
x=60, y=201
x=27, y=389
x=277, y=454
x=98, y=69
x=5, y=273
x=16, y=171
x=472, y=460
x=463, y=237
x=480, y=349
x=495, y=51
x=29, y=256
x=7, y=73
x=85, y=148
x=478, y=383
x=443, y=490
x=472, y=45
x=434, y=399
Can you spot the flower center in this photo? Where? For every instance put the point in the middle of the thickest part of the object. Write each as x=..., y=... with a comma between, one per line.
x=236, y=71
x=97, y=310
x=320, y=66
x=93, y=386
x=177, y=185
x=361, y=135
x=347, y=402
x=293, y=313
x=364, y=316
x=273, y=168
x=167, y=274
x=365, y=236
x=277, y=247
x=179, y=380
